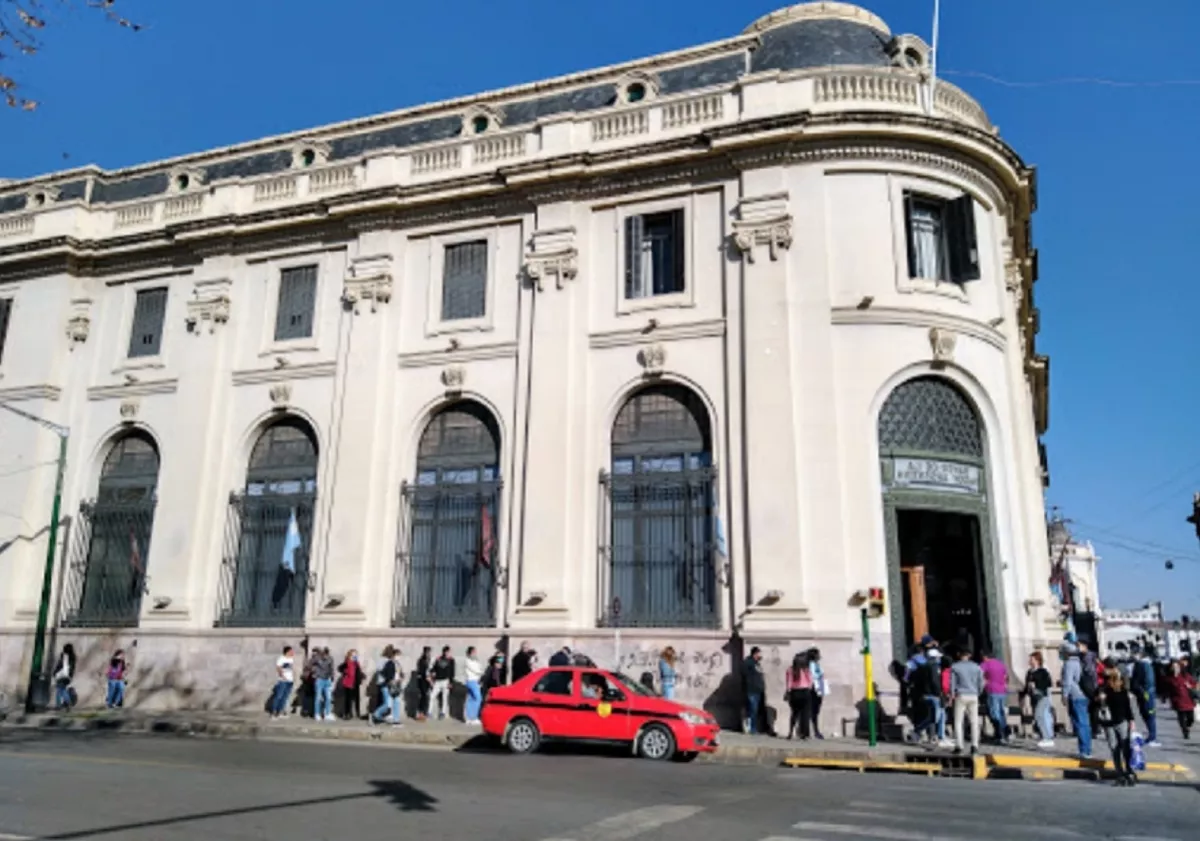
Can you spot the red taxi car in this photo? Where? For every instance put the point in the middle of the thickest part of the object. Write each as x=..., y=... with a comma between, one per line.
x=592, y=705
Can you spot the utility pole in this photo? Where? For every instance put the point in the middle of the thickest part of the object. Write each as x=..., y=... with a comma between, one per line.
x=38, y=693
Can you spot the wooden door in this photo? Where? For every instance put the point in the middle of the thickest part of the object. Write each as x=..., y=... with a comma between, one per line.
x=918, y=614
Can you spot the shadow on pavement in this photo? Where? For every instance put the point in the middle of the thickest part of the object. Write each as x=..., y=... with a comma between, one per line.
x=405, y=797
x=487, y=744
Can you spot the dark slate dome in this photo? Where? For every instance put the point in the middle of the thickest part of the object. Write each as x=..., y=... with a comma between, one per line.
x=820, y=35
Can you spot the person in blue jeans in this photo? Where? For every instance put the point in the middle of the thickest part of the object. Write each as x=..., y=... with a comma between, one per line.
x=1145, y=692
x=472, y=675
x=754, y=685
x=390, y=680
x=666, y=672
x=64, y=673
x=1076, y=699
x=115, y=696
x=322, y=671
x=285, y=679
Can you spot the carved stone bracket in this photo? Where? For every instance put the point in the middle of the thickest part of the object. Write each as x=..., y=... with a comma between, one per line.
x=79, y=323
x=552, y=253
x=763, y=220
x=209, y=305
x=652, y=359
x=368, y=279
x=453, y=378
x=129, y=410
x=942, y=342
x=280, y=396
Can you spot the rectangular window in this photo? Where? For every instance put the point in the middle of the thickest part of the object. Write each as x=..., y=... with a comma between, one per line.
x=464, y=280
x=942, y=244
x=654, y=246
x=297, y=298
x=5, y=312
x=145, y=339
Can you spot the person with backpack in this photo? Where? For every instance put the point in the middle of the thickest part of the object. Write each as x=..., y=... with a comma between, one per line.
x=115, y=696
x=1145, y=692
x=926, y=680
x=64, y=673
x=390, y=680
x=1116, y=716
x=1076, y=698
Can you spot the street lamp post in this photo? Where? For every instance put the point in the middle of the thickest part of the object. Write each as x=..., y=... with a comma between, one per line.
x=38, y=693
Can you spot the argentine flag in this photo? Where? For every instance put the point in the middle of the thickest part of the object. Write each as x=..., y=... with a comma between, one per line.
x=291, y=543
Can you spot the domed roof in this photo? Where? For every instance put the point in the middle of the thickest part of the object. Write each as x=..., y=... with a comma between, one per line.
x=821, y=34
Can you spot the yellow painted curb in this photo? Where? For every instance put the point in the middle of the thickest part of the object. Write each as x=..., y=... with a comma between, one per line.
x=929, y=769
x=1064, y=763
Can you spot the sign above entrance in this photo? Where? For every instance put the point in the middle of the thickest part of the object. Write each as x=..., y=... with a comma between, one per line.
x=930, y=474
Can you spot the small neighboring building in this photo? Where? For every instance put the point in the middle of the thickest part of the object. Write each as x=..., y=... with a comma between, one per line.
x=1081, y=565
x=1130, y=630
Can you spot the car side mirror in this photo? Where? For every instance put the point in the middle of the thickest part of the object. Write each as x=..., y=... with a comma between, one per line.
x=613, y=695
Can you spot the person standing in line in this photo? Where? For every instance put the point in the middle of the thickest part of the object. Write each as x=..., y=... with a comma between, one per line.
x=524, y=663
x=64, y=674
x=322, y=673
x=285, y=679
x=494, y=675
x=666, y=672
x=562, y=657
x=472, y=676
x=1038, y=684
x=1116, y=716
x=1181, y=691
x=350, y=678
x=424, y=682
x=391, y=689
x=995, y=675
x=1145, y=692
x=799, y=694
x=820, y=688
x=967, y=683
x=115, y=696
x=443, y=679
x=754, y=686
x=928, y=682
x=1076, y=699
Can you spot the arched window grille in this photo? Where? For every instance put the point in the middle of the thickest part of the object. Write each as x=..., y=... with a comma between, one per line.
x=658, y=514
x=106, y=576
x=930, y=415
x=447, y=545
x=268, y=537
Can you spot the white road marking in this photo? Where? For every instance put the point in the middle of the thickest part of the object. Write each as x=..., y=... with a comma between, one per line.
x=5, y=836
x=1122, y=838
x=631, y=824
x=877, y=832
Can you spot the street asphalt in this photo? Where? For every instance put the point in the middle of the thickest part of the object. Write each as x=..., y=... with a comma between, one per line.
x=116, y=787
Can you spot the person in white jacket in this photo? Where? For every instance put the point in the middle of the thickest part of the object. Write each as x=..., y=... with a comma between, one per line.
x=472, y=675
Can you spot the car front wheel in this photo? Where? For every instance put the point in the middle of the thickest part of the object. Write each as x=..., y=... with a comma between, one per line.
x=523, y=736
x=656, y=742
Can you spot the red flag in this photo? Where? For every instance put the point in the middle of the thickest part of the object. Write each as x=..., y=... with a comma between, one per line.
x=487, y=543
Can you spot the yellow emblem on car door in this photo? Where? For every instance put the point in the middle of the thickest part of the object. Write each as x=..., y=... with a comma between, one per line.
x=604, y=709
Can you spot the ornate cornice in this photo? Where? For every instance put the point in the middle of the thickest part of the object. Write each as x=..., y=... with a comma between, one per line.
x=284, y=373
x=763, y=220
x=426, y=358
x=552, y=252
x=209, y=304
x=709, y=328
x=129, y=390
x=923, y=319
x=30, y=392
x=368, y=279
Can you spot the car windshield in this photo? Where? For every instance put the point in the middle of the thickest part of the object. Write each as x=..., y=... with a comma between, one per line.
x=634, y=686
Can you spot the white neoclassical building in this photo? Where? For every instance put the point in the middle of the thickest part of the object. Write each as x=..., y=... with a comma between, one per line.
x=690, y=348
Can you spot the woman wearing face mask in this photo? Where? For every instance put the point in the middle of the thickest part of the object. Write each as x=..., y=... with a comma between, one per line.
x=349, y=680
x=496, y=674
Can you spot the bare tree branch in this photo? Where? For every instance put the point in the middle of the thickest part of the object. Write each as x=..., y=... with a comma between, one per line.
x=21, y=25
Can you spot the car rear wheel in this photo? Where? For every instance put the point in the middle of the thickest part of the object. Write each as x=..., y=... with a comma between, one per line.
x=523, y=736
x=656, y=742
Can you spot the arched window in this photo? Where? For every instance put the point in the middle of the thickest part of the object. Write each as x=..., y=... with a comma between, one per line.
x=661, y=506
x=447, y=551
x=929, y=415
x=107, y=575
x=269, y=530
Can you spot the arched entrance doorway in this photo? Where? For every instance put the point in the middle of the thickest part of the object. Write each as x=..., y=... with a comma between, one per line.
x=265, y=571
x=447, y=546
x=937, y=518
x=660, y=505
x=107, y=574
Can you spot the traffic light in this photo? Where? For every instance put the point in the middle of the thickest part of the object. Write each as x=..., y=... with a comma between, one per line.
x=875, y=602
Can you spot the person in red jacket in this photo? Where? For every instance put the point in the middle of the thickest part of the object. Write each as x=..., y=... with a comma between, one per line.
x=1181, y=687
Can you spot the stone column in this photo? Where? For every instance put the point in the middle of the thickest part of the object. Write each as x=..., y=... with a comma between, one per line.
x=355, y=557
x=763, y=235
x=545, y=591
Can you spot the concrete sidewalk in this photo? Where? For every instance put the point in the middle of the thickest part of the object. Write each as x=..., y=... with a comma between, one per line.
x=736, y=748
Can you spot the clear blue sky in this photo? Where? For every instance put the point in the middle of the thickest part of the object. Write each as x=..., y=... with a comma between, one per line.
x=1119, y=293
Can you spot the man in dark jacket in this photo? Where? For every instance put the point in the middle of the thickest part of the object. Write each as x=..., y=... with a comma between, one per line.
x=524, y=662
x=754, y=686
x=424, y=682
x=562, y=657
x=443, y=679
